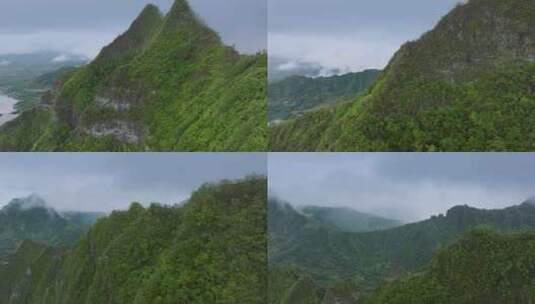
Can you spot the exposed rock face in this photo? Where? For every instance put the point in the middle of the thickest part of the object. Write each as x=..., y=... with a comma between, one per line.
x=121, y=130
x=117, y=105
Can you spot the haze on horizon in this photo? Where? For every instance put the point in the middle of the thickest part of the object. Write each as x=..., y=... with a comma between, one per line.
x=341, y=36
x=83, y=27
x=104, y=182
x=404, y=186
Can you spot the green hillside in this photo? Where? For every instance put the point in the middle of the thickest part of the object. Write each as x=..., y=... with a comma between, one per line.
x=211, y=250
x=309, y=260
x=31, y=219
x=297, y=94
x=330, y=256
x=484, y=267
x=167, y=84
x=464, y=86
x=349, y=220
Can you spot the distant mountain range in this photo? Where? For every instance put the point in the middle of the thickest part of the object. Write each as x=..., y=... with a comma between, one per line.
x=167, y=84
x=280, y=69
x=295, y=95
x=349, y=220
x=31, y=219
x=330, y=260
x=466, y=85
x=21, y=74
x=45, y=60
x=210, y=250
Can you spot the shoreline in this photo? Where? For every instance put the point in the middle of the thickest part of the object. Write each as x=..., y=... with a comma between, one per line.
x=7, y=108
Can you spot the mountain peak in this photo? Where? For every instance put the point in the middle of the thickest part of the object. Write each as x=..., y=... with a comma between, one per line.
x=137, y=36
x=530, y=201
x=182, y=18
x=30, y=202
x=150, y=9
x=181, y=8
x=459, y=211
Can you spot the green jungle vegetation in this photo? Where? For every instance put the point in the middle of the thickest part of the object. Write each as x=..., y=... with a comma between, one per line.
x=296, y=94
x=167, y=84
x=212, y=249
x=30, y=219
x=312, y=262
x=483, y=267
x=467, y=85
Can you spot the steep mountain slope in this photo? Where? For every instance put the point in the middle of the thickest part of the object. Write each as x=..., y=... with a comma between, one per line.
x=168, y=83
x=290, y=286
x=484, y=267
x=297, y=94
x=466, y=85
x=31, y=219
x=211, y=250
x=349, y=220
x=329, y=255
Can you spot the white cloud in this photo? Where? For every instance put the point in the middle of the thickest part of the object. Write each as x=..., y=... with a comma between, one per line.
x=61, y=58
x=409, y=187
x=83, y=43
x=347, y=54
x=108, y=181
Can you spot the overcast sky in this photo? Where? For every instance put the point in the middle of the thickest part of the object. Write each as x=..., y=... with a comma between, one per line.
x=108, y=181
x=408, y=187
x=85, y=26
x=348, y=35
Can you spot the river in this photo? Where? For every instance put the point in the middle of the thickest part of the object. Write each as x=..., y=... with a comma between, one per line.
x=7, y=107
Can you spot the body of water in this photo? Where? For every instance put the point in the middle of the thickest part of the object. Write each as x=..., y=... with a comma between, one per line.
x=7, y=107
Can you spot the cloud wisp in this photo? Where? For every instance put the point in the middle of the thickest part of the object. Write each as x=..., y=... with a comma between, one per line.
x=408, y=187
x=83, y=27
x=348, y=36
x=108, y=181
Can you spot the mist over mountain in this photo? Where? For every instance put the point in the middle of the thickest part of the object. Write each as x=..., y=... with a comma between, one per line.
x=349, y=220
x=354, y=264
x=211, y=249
x=296, y=95
x=280, y=69
x=20, y=73
x=31, y=218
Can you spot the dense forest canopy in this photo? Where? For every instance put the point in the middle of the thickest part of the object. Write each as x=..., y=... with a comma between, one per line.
x=167, y=84
x=466, y=85
x=212, y=249
x=311, y=259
